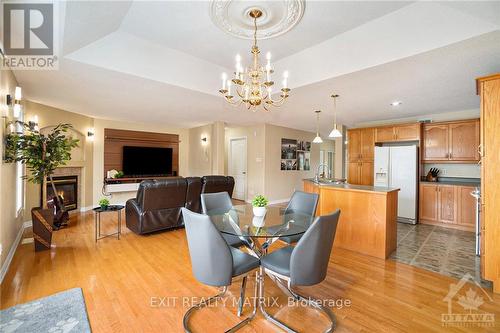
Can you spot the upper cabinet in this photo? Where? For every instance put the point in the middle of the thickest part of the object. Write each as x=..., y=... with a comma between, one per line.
x=405, y=132
x=361, y=144
x=361, y=147
x=451, y=142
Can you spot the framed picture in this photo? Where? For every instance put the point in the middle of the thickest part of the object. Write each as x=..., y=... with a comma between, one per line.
x=295, y=155
x=288, y=149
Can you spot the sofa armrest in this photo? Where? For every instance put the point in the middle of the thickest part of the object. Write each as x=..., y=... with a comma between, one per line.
x=133, y=215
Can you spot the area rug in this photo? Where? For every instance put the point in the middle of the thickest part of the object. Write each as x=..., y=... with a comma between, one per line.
x=59, y=313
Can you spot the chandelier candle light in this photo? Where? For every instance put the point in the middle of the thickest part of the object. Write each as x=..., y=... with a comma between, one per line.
x=335, y=133
x=253, y=85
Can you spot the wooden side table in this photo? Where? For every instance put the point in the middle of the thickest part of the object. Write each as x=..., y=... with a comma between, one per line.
x=97, y=220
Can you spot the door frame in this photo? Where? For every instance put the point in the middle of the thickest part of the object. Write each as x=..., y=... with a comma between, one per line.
x=229, y=159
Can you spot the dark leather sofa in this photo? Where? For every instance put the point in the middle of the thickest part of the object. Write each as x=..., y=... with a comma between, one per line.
x=158, y=203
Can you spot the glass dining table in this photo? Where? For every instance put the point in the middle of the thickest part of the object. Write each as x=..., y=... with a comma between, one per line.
x=258, y=233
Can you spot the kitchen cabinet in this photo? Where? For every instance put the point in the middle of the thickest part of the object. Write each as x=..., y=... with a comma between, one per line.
x=428, y=202
x=361, y=147
x=354, y=145
x=451, y=142
x=405, y=132
x=449, y=204
x=360, y=173
x=489, y=90
x=467, y=207
x=435, y=143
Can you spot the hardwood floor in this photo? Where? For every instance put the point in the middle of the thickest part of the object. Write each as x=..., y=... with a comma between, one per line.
x=124, y=281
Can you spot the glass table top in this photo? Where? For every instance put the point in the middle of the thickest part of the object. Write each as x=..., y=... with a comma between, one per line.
x=240, y=221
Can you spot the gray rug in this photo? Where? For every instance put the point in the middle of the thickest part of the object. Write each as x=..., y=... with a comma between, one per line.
x=59, y=313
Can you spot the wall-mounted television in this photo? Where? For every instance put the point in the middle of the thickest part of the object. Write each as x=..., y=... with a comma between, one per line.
x=147, y=161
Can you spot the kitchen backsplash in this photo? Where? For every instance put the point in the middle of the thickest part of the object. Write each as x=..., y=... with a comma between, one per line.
x=456, y=170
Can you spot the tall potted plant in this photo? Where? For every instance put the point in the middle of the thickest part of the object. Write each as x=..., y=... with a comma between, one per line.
x=42, y=154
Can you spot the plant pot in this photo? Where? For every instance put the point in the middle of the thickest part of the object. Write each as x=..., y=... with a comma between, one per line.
x=259, y=211
x=104, y=207
x=258, y=221
x=43, y=220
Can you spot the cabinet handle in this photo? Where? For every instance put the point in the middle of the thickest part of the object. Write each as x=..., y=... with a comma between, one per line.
x=480, y=150
x=451, y=156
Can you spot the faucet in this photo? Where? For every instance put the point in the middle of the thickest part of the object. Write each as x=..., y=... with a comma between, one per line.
x=316, y=177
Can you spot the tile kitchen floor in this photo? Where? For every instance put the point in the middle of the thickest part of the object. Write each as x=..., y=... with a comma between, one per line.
x=442, y=250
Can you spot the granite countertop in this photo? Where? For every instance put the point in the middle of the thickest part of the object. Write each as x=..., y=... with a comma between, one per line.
x=346, y=186
x=473, y=182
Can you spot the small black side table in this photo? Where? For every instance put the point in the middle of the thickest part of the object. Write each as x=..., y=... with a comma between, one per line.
x=97, y=219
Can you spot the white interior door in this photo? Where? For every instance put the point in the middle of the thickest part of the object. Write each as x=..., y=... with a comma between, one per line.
x=238, y=166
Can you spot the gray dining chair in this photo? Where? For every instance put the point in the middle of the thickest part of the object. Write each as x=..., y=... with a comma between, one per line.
x=214, y=262
x=220, y=201
x=301, y=202
x=305, y=264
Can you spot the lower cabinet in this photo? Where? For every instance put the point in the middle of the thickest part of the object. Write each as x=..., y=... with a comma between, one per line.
x=449, y=204
x=360, y=173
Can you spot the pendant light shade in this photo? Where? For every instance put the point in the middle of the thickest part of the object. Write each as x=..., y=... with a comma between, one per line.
x=335, y=133
x=318, y=138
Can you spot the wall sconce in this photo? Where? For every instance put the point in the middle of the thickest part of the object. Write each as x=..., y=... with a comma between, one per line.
x=90, y=133
x=204, y=141
x=16, y=102
x=33, y=123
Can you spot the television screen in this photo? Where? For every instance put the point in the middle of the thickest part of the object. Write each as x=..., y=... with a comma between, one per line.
x=147, y=161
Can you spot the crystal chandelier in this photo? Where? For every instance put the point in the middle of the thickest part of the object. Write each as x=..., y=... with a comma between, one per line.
x=253, y=85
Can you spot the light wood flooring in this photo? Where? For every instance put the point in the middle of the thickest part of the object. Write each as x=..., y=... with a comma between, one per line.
x=124, y=280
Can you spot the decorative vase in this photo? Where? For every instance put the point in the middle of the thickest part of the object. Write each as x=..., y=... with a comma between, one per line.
x=259, y=211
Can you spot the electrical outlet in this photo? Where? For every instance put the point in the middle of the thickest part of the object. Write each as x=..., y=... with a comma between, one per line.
x=443, y=172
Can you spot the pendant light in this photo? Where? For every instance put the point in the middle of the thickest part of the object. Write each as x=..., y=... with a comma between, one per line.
x=335, y=133
x=318, y=138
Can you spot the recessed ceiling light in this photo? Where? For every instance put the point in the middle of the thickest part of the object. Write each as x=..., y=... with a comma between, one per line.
x=396, y=103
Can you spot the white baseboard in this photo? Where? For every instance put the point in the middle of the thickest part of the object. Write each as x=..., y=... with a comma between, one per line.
x=12, y=251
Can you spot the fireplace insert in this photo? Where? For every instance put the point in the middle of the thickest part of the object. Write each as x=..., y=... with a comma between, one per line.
x=67, y=188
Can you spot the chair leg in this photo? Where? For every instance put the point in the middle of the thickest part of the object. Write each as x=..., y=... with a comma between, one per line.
x=185, y=320
x=241, y=302
x=311, y=302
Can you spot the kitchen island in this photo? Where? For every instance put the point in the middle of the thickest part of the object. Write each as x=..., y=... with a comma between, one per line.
x=368, y=215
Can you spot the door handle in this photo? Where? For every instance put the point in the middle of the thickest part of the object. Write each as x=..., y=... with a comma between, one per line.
x=244, y=172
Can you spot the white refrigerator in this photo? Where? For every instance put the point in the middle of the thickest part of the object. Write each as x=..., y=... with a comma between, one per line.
x=396, y=166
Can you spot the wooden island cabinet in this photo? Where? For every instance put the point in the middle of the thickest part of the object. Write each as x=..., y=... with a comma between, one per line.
x=368, y=216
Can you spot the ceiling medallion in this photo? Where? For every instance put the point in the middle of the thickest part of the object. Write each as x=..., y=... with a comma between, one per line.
x=253, y=85
x=277, y=17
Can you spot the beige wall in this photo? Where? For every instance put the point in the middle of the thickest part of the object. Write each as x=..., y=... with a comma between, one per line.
x=200, y=152
x=10, y=224
x=82, y=157
x=98, y=160
x=280, y=185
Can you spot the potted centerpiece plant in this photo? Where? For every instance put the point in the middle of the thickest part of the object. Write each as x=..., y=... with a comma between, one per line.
x=104, y=203
x=42, y=154
x=259, y=204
